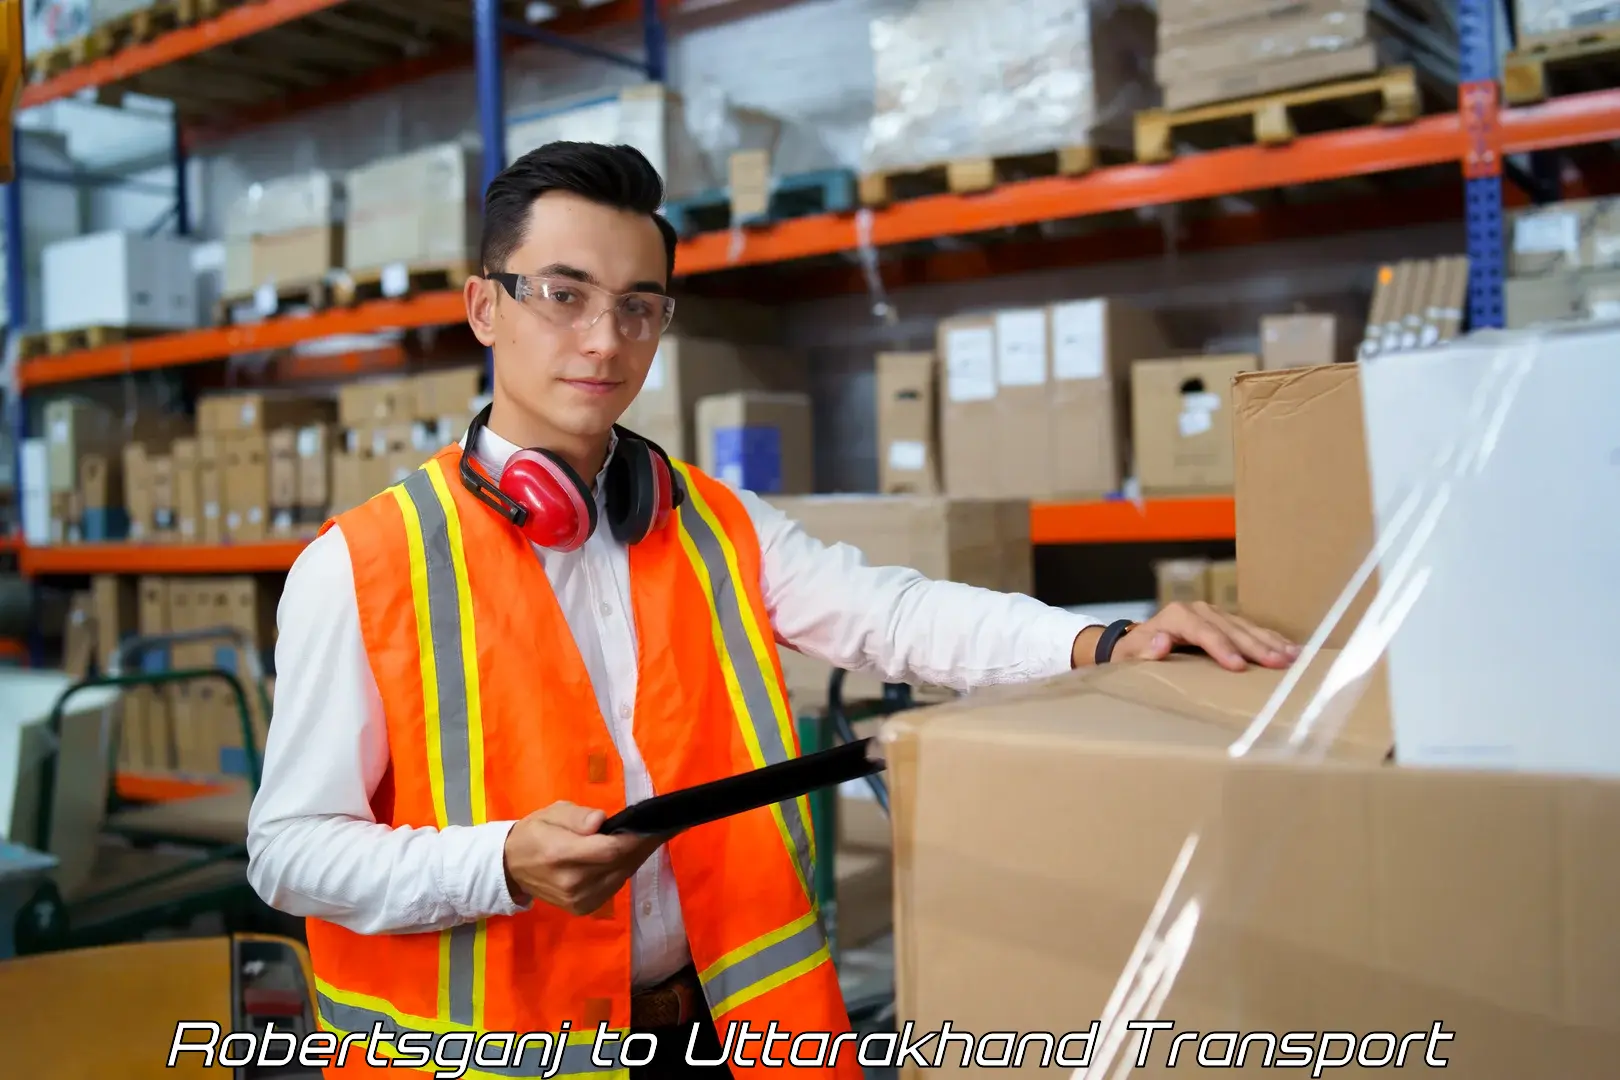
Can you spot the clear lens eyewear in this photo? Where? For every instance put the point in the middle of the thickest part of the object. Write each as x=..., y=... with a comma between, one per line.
x=567, y=303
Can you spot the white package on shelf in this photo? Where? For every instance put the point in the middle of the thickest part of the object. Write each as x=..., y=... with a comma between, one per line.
x=1542, y=17
x=955, y=80
x=306, y=200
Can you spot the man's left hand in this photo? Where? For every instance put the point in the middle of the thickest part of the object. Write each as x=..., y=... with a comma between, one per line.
x=1232, y=641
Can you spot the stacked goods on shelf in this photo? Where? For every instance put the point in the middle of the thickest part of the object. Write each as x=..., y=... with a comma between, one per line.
x=1563, y=263
x=1415, y=303
x=1181, y=422
x=972, y=84
x=976, y=541
x=75, y=483
x=412, y=221
x=1035, y=400
x=194, y=728
x=1188, y=581
x=221, y=478
x=390, y=426
x=1562, y=20
x=755, y=385
x=1219, y=50
x=1563, y=46
x=1303, y=339
x=142, y=283
x=757, y=440
x=689, y=142
x=283, y=238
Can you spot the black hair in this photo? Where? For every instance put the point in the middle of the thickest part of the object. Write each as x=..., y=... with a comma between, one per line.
x=617, y=176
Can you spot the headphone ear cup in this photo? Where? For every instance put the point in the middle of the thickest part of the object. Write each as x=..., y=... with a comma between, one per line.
x=631, y=492
x=561, y=511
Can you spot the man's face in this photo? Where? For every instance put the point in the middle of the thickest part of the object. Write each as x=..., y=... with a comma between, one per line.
x=551, y=360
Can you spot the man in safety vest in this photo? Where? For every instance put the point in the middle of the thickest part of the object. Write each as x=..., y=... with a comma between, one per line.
x=553, y=619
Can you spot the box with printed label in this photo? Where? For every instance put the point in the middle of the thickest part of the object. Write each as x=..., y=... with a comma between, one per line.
x=1182, y=422
x=140, y=282
x=247, y=487
x=1580, y=234
x=969, y=419
x=686, y=368
x=908, y=427
x=757, y=441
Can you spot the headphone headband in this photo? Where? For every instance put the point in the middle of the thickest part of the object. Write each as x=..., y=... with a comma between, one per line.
x=479, y=484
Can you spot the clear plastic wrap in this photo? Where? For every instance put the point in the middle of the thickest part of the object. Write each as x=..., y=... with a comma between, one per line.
x=956, y=80
x=1541, y=18
x=301, y=201
x=1157, y=867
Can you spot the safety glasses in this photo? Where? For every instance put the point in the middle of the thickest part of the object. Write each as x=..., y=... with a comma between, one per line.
x=578, y=305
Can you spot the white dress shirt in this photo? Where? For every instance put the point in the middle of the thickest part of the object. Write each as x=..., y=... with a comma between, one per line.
x=315, y=848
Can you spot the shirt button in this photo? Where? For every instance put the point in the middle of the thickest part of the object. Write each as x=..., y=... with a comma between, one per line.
x=624, y=711
x=646, y=908
x=607, y=609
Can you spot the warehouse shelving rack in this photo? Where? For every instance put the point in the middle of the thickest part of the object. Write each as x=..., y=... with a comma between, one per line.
x=1479, y=137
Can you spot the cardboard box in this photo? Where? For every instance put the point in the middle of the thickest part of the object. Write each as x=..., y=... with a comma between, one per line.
x=246, y=484
x=376, y=401
x=1557, y=20
x=1303, y=496
x=314, y=480
x=138, y=493
x=211, y=487
x=295, y=257
x=686, y=369
x=257, y=411
x=74, y=427
x=1576, y=296
x=1578, y=234
x=420, y=209
x=1223, y=587
x=1294, y=341
x=448, y=396
x=165, y=509
x=758, y=441
x=1207, y=89
x=1281, y=37
x=102, y=517
x=1182, y=581
x=1094, y=344
x=983, y=542
x=1182, y=422
x=141, y=281
x=908, y=424
x=282, y=448
x=349, y=486
x=970, y=422
x=1258, y=893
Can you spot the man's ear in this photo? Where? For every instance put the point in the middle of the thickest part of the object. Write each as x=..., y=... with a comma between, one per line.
x=480, y=296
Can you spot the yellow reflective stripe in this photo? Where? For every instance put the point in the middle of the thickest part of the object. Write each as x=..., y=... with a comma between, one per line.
x=346, y=1013
x=756, y=638
x=424, y=643
x=455, y=749
x=752, y=736
x=764, y=964
x=478, y=806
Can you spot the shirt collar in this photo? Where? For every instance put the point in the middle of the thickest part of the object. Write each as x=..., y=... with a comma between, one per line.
x=493, y=452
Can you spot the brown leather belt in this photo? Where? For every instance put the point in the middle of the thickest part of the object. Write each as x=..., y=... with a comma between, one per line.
x=675, y=1001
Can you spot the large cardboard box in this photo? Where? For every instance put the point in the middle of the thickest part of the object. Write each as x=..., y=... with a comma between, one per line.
x=758, y=441
x=246, y=482
x=1262, y=892
x=141, y=282
x=421, y=209
x=1579, y=234
x=969, y=417
x=686, y=368
x=983, y=542
x=1300, y=340
x=258, y=411
x=1303, y=496
x=1182, y=422
x=908, y=423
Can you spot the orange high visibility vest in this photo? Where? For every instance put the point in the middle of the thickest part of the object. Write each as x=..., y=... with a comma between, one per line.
x=491, y=716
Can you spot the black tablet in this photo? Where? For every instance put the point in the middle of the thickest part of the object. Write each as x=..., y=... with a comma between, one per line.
x=666, y=815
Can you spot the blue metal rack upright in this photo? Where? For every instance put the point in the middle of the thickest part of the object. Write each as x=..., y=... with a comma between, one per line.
x=1478, y=96
x=489, y=31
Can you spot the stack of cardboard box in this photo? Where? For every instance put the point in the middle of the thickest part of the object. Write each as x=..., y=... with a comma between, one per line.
x=1306, y=885
x=390, y=426
x=287, y=231
x=413, y=211
x=1218, y=50
x=1563, y=263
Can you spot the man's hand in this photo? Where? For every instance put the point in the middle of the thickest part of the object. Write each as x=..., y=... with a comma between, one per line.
x=556, y=855
x=1232, y=641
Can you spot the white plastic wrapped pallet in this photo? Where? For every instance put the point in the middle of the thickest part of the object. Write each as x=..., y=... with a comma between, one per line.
x=957, y=80
x=1539, y=18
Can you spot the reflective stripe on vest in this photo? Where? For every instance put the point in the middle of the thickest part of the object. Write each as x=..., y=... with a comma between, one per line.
x=494, y=1055
x=442, y=603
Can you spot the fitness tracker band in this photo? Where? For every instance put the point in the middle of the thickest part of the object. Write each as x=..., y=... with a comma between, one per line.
x=1110, y=637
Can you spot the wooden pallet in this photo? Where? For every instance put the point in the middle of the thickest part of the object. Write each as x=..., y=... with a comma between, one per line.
x=826, y=191
x=963, y=176
x=1389, y=97
x=132, y=28
x=356, y=286
x=57, y=342
x=312, y=293
x=1564, y=63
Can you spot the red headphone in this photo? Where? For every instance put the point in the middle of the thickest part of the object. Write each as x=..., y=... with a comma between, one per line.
x=547, y=501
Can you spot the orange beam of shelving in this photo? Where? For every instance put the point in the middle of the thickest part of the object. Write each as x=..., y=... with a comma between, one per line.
x=1125, y=522
x=270, y=557
x=230, y=25
x=215, y=343
x=1576, y=120
x=1310, y=159
x=139, y=787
